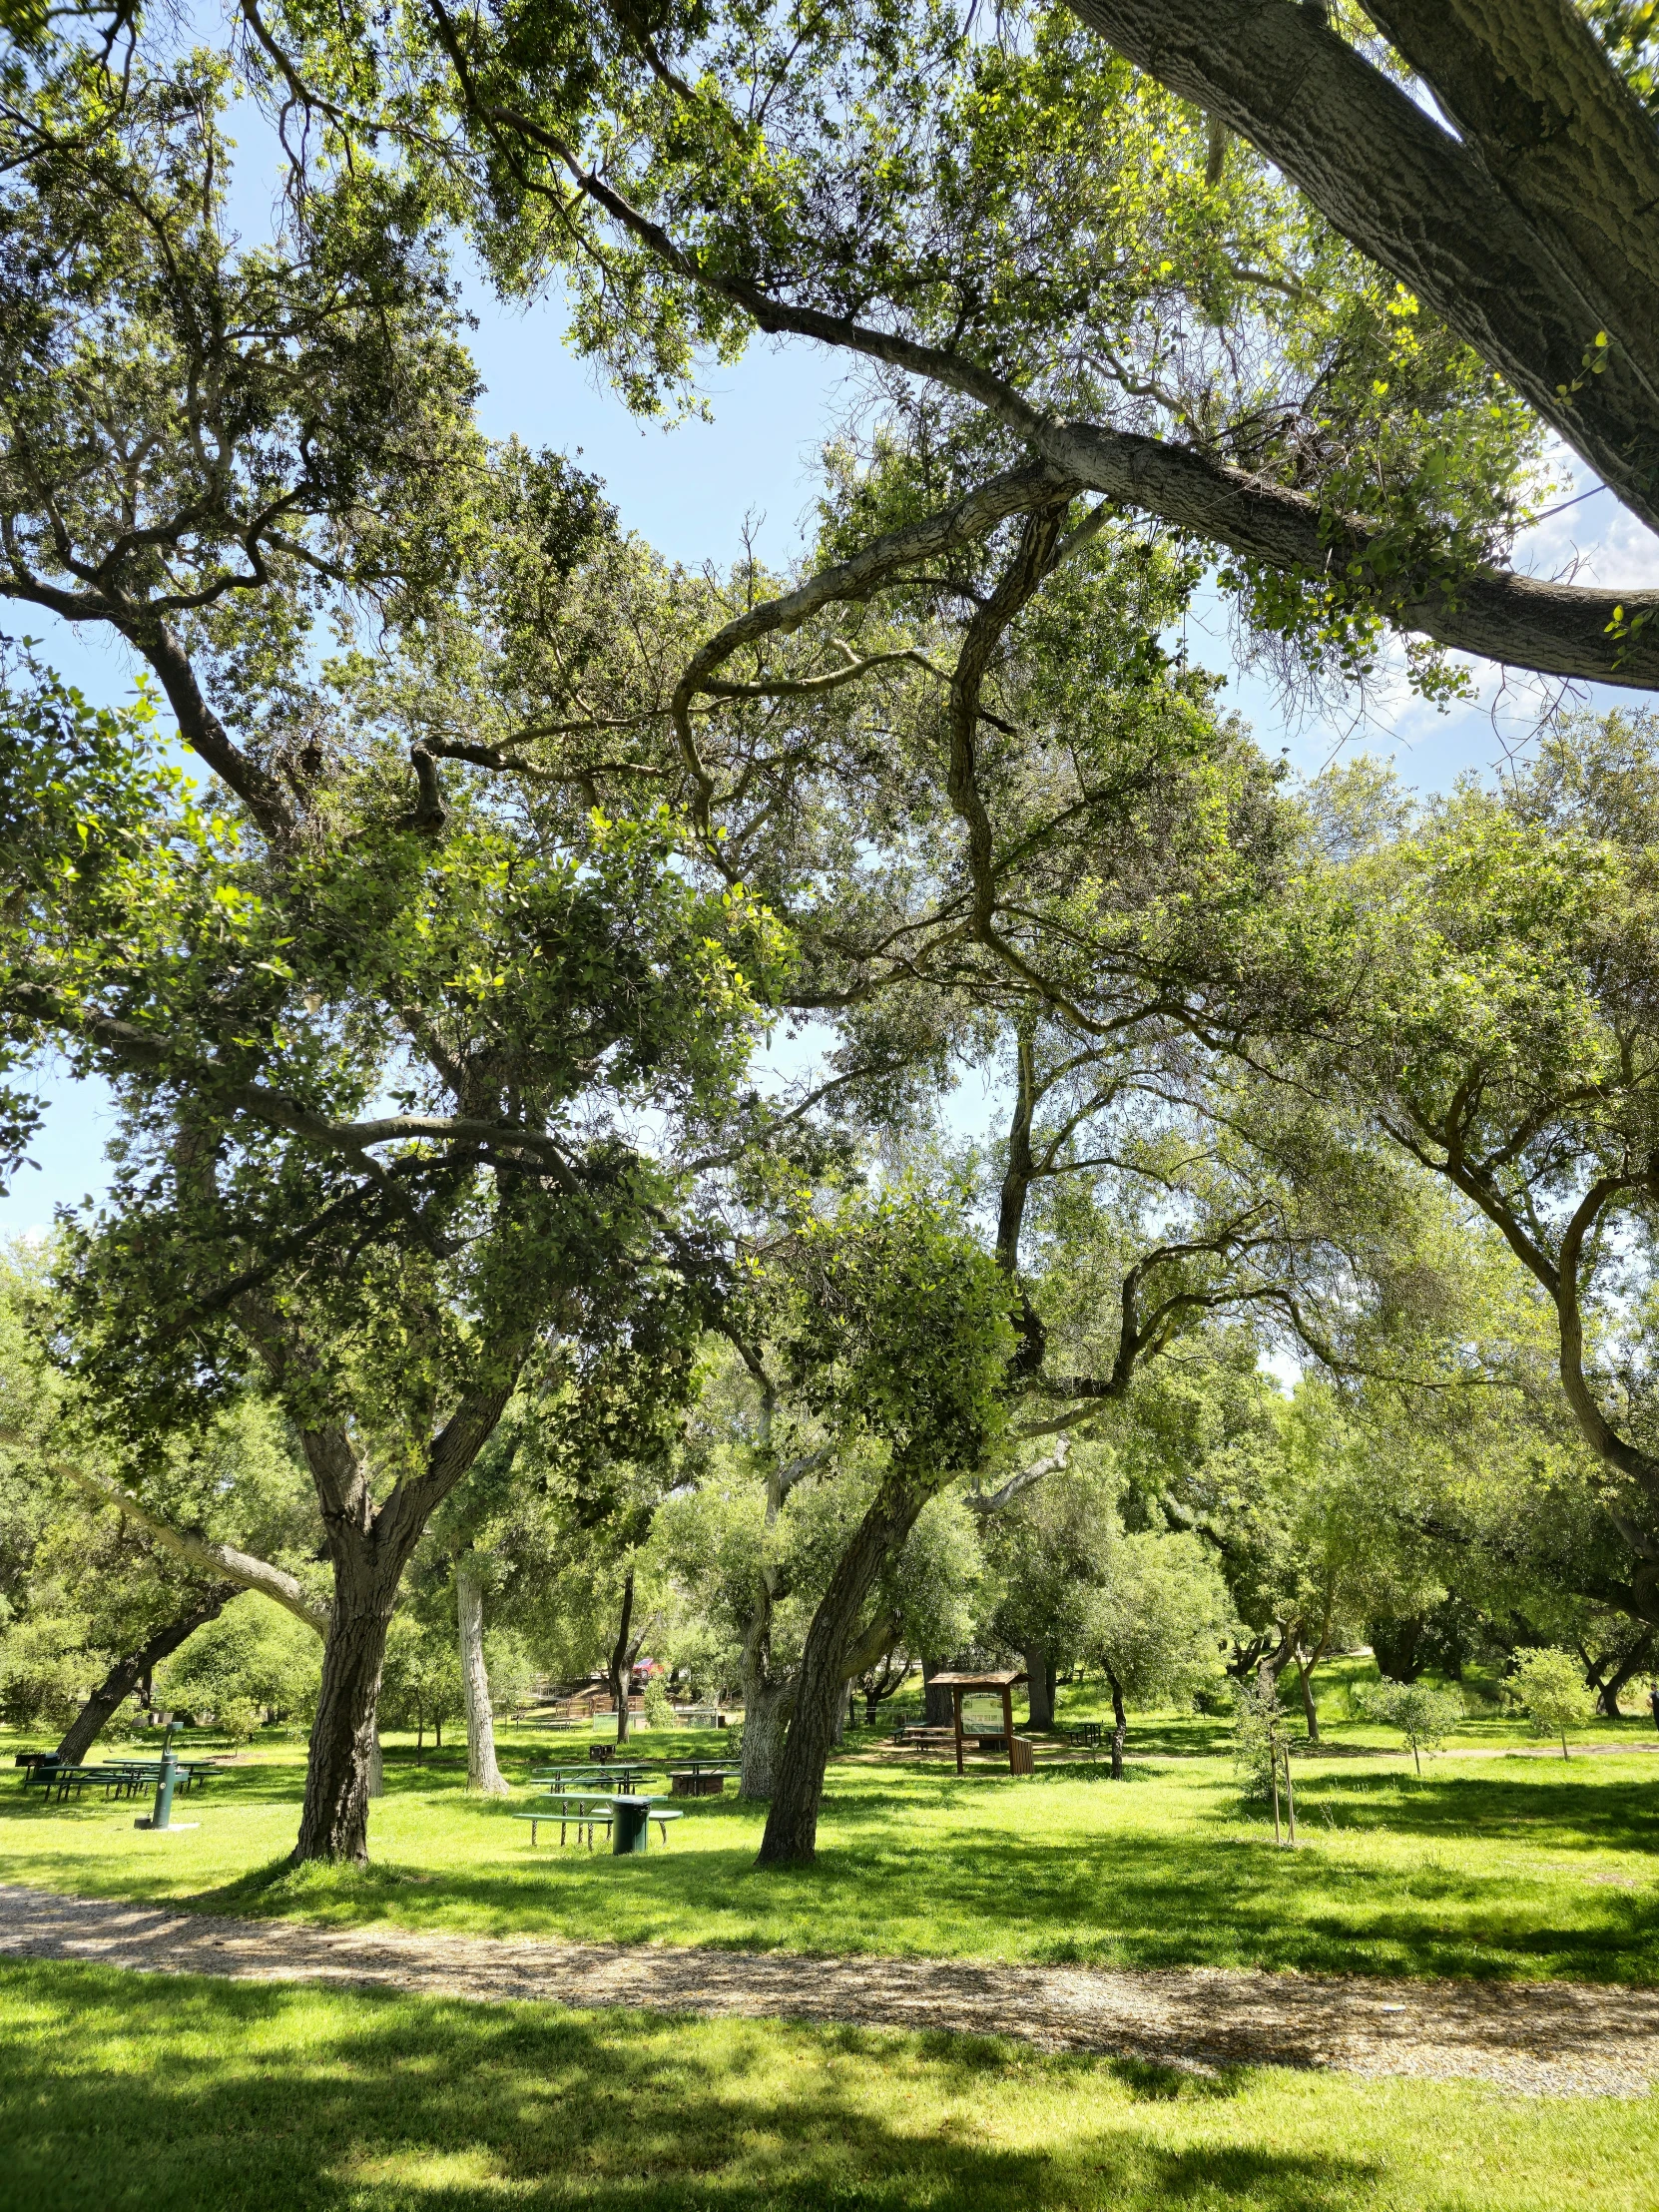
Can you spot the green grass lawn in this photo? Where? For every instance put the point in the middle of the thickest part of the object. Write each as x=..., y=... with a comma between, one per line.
x=1491, y=1866
x=172, y=2095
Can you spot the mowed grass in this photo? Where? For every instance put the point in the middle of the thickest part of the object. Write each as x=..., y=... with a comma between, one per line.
x=176, y=2094
x=1491, y=1866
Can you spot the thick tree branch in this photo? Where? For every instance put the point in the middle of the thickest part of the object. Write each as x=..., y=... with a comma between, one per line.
x=207, y=1556
x=1521, y=291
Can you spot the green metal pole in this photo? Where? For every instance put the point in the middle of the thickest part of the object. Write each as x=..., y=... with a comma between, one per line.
x=161, y=1815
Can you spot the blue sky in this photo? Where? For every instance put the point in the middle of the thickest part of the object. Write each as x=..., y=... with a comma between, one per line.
x=692, y=490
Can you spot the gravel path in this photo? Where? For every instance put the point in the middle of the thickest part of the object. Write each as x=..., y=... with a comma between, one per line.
x=1554, y=2038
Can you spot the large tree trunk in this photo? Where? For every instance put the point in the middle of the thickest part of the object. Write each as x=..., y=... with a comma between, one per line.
x=1638, y=1660
x=791, y=1838
x=482, y=1773
x=1039, y=1690
x=935, y=1704
x=766, y=1714
x=345, y=1749
x=129, y=1672
x=1397, y=1647
x=1120, y=1725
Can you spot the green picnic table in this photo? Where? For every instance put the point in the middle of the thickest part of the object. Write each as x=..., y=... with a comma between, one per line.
x=606, y=1778
x=625, y=1816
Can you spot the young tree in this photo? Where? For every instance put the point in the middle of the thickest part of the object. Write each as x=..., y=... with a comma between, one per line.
x=1551, y=1686
x=1261, y=1742
x=1424, y=1716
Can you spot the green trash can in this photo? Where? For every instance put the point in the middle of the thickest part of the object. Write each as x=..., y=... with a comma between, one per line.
x=630, y=1824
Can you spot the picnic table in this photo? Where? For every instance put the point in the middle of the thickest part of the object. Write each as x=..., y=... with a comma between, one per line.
x=626, y=1817
x=700, y=1776
x=120, y=1776
x=192, y=1770
x=627, y=1774
x=928, y=1738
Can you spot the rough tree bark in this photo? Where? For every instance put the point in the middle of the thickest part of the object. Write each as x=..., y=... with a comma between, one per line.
x=1040, y=1688
x=132, y=1669
x=344, y=1748
x=370, y=1547
x=1531, y=231
x=791, y=1836
x=765, y=1718
x=482, y=1773
x=935, y=1704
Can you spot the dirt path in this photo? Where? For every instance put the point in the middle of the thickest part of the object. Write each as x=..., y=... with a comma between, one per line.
x=1552, y=2039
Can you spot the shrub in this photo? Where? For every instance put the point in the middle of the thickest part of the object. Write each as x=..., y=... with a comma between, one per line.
x=659, y=1709
x=237, y=1718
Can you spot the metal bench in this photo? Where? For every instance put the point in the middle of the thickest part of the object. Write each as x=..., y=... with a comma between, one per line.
x=585, y=1814
x=64, y=1778
x=574, y=1813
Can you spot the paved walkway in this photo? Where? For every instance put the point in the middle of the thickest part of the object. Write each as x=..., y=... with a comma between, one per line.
x=1554, y=2038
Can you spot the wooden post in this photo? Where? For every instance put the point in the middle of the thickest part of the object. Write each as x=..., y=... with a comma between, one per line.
x=956, y=1715
x=1008, y=1722
x=1273, y=1753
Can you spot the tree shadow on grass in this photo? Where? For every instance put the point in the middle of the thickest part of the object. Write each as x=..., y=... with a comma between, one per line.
x=945, y=1871
x=175, y=2094
x=891, y=1881
x=1585, y=1814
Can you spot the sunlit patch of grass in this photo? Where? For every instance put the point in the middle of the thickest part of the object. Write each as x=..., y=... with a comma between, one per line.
x=179, y=2095
x=1499, y=1867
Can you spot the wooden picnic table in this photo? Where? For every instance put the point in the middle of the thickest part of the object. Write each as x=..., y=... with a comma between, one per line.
x=700, y=1776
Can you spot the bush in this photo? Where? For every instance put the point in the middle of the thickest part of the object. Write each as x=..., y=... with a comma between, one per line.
x=659, y=1709
x=253, y=1652
x=237, y=1718
x=1550, y=1687
x=1423, y=1716
x=45, y=1672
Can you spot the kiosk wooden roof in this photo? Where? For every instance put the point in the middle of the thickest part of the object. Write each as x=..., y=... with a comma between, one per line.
x=993, y=1678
